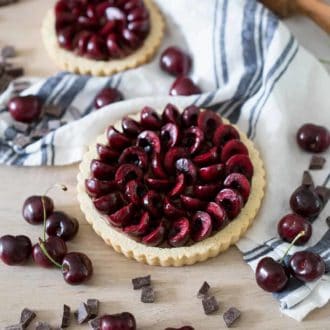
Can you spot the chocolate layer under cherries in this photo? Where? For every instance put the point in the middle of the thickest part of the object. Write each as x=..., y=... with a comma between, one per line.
x=173, y=179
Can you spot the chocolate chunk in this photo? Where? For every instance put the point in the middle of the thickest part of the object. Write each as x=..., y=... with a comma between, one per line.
x=21, y=127
x=95, y=324
x=8, y=51
x=54, y=124
x=66, y=316
x=317, y=163
x=15, y=72
x=15, y=327
x=20, y=86
x=203, y=291
x=4, y=82
x=307, y=179
x=230, y=316
x=26, y=317
x=21, y=140
x=53, y=110
x=324, y=193
x=39, y=133
x=93, y=306
x=10, y=133
x=210, y=305
x=328, y=221
x=83, y=314
x=43, y=326
x=7, y=2
x=140, y=282
x=147, y=295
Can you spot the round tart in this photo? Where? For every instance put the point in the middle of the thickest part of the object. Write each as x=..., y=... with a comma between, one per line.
x=171, y=188
x=102, y=37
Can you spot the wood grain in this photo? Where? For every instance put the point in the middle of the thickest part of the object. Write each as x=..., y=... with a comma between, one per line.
x=45, y=291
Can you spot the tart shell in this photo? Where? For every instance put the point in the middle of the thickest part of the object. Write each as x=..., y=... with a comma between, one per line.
x=180, y=256
x=69, y=61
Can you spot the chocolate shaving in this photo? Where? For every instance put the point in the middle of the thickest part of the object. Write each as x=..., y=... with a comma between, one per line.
x=140, y=282
x=8, y=51
x=53, y=110
x=83, y=314
x=328, y=221
x=324, y=193
x=203, y=291
x=15, y=72
x=230, y=316
x=21, y=127
x=27, y=316
x=93, y=306
x=317, y=163
x=210, y=305
x=307, y=179
x=147, y=295
x=39, y=133
x=4, y=82
x=66, y=316
x=95, y=324
x=43, y=326
x=15, y=327
x=7, y=2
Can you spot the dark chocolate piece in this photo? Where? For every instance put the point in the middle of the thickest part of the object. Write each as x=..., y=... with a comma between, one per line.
x=43, y=326
x=21, y=127
x=210, y=305
x=324, y=193
x=147, y=295
x=307, y=179
x=54, y=124
x=53, y=110
x=328, y=221
x=140, y=282
x=95, y=324
x=83, y=314
x=230, y=316
x=15, y=327
x=317, y=162
x=93, y=306
x=15, y=72
x=27, y=316
x=4, y=82
x=7, y=2
x=21, y=140
x=66, y=316
x=10, y=133
x=203, y=291
x=39, y=133
x=8, y=51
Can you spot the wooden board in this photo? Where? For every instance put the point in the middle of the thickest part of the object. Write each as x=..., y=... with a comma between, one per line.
x=44, y=289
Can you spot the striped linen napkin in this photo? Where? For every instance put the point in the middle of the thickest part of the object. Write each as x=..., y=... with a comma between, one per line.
x=251, y=70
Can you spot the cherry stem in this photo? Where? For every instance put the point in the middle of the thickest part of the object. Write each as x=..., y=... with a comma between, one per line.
x=45, y=252
x=301, y=234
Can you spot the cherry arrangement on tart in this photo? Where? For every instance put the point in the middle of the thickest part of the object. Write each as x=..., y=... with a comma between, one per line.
x=102, y=37
x=170, y=188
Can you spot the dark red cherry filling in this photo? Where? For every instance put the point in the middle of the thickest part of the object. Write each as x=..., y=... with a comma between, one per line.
x=171, y=179
x=100, y=29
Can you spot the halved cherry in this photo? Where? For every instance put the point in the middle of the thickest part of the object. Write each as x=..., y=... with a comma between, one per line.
x=171, y=114
x=207, y=191
x=122, y=217
x=149, y=141
x=65, y=37
x=201, y=226
x=208, y=121
x=113, y=45
x=212, y=172
x=134, y=192
x=189, y=116
x=179, y=232
x=150, y=119
x=238, y=182
x=223, y=134
x=127, y=172
x=108, y=28
x=207, y=158
x=179, y=186
x=80, y=42
x=192, y=203
x=169, y=135
x=108, y=203
x=231, y=201
x=130, y=126
x=131, y=4
x=117, y=140
x=134, y=155
x=131, y=38
x=141, y=27
x=187, y=167
x=96, y=48
x=157, y=166
x=158, y=184
x=172, y=156
x=240, y=164
x=140, y=228
x=101, y=170
x=97, y=188
x=172, y=209
x=233, y=147
x=218, y=215
x=153, y=203
x=192, y=139
x=156, y=237
x=106, y=154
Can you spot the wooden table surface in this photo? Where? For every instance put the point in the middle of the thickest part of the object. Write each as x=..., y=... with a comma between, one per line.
x=44, y=290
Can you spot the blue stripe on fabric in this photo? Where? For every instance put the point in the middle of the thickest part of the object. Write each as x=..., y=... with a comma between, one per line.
x=258, y=255
x=48, y=87
x=215, y=45
x=273, y=84
x=52, y=149
x=43, y=150
x=224, y=64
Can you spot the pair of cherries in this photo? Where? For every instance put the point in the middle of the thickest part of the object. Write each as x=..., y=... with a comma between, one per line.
x=52, y=251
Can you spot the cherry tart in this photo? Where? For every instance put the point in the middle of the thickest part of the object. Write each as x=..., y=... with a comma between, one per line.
x=171, y=188
x=102, y=37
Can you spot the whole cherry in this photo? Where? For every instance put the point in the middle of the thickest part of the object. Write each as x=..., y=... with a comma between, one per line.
x=184, y=86
x=33, y=209
x=122, y=321
x=107, y=96
x=25, y=108
x=313, y=138
x=175, y=61
x=15, y=250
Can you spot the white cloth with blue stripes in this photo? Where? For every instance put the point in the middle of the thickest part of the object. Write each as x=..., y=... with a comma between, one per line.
x=251, y=70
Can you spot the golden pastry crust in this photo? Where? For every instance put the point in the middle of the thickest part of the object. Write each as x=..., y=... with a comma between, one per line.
x=180, y=256
x=69, y=61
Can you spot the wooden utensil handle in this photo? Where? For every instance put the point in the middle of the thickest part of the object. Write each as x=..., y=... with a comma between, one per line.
x=317, y=10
